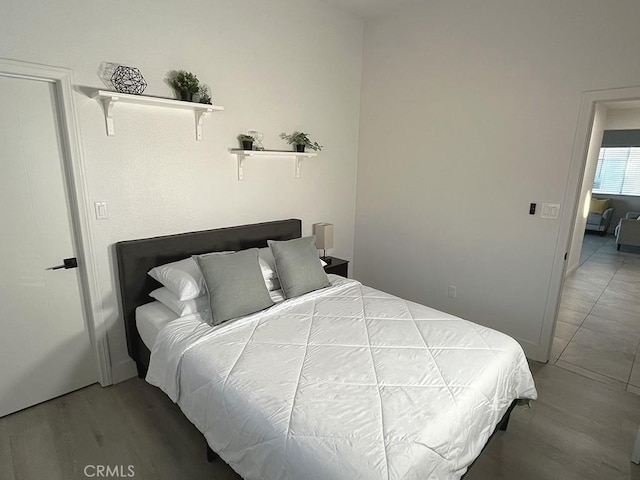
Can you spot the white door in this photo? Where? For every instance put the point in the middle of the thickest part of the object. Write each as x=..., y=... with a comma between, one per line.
x=44, y=344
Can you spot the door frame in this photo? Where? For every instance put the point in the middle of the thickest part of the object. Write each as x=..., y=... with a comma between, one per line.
x=572, y=199
x=78, y=200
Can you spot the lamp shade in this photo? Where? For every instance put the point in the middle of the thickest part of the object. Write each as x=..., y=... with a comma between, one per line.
x=324, y=235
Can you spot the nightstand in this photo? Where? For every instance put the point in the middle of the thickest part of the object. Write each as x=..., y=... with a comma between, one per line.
x=336, y=266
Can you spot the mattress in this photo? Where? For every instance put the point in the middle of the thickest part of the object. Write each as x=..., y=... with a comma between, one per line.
x=344, y=382
x=150, y=319
x=153, y=317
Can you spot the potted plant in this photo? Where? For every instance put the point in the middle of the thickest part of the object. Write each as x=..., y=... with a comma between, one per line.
x=300, y=140
x=205, y=94
x=246, y=141
x=185, y=83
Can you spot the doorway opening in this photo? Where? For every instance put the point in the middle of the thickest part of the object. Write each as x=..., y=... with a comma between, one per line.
x=597, y=328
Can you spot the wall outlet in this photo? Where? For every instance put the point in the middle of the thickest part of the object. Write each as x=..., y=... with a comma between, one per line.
x=452, y=291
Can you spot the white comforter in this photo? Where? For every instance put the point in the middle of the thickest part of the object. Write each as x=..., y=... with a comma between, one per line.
x=344, y=383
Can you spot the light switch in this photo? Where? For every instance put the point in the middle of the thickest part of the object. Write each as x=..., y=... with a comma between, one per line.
x=102, y=212
x=550, y=211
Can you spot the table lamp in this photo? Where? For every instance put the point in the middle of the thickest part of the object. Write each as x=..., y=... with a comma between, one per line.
x=324, y=237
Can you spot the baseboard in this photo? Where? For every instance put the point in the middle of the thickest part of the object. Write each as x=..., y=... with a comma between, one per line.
x=533, y=351
x=570, y=271
x=123, y=371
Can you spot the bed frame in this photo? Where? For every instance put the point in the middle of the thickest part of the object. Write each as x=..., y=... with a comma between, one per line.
x=136, y=257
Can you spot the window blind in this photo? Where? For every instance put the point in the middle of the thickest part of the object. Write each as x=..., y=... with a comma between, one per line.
x=618, y=171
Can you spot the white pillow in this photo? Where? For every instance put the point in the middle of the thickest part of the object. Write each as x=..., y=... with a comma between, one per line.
x=268, y=267
x=276, y=296
x=183, y=278
x=180, y=307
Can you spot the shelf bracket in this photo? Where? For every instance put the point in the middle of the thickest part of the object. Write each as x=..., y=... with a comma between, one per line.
x=200, y=114
x=298, y=157
x=108, y=104
x=109, y=98
x=240, y=167
x=298, y=164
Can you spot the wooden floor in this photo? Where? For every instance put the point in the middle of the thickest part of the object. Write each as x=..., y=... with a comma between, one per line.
x=131, y=423
x=578, y=429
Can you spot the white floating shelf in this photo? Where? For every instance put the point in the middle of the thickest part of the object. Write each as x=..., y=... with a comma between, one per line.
x=243, y=154
x=109, y=99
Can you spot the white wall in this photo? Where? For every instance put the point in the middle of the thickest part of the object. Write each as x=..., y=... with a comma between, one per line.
x=275, y=66
x=469, y=111
x=623, y=118
x=599, y=123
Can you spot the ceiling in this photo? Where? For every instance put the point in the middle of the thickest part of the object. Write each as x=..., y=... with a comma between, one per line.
x=367, y=8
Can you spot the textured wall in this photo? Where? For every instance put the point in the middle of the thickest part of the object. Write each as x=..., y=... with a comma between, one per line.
x=275, y=66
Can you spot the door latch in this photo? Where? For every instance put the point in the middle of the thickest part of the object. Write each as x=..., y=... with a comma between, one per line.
x=68, y=263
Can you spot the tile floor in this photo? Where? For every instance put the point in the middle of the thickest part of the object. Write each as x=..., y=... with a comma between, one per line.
x=598, y=329
x=578, y=429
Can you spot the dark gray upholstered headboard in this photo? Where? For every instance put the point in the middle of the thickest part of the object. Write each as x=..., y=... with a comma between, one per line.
x=137, y=257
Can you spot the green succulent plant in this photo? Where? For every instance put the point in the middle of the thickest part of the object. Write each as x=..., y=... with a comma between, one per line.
x=301, y=138
x=205, y=94
x=184, y=81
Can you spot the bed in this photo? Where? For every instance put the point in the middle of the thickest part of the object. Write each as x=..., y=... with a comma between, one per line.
x=342, y=382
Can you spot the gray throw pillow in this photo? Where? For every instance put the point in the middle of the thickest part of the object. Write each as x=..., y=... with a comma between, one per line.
x=299, y=268
x=234, y=284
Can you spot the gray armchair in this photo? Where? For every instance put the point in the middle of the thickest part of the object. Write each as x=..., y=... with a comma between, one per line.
x=628, y=230
x=600, y=223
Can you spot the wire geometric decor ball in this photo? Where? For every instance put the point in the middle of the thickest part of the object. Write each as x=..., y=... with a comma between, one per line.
x=128, y=80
